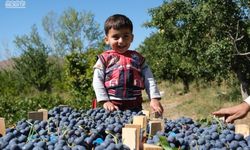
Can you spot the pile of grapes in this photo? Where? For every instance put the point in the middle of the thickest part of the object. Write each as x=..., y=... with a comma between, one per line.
x=99, y=129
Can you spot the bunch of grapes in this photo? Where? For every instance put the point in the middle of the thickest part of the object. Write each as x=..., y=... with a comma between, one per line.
x=68, y=129
x=99, y=129
x=184, y=133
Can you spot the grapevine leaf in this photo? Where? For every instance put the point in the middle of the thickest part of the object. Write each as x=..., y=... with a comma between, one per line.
x=164, y=143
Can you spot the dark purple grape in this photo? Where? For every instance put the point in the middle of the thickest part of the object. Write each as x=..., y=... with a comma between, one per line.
x=233, y=145
x=28, y=146
x=201, y=141
x=215, y=136
x=243, y=143
x=246, y=148
x=22, y=138
x=79, y=141
x=229, y=137
x=238, y=137
x=150, y=142
x=8, y=137
x=111, y=146
x=41, y=144
x=14, y=147
x=218, y=144
x=231, y=126
x=99, y=147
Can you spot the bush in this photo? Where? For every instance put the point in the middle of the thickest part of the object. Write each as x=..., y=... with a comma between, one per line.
x=79, y=75
x=14, y=108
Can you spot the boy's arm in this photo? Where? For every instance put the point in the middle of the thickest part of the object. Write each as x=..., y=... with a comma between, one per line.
x=152, y=89
x=150, y=83
x=98, y=85
x=99, y=88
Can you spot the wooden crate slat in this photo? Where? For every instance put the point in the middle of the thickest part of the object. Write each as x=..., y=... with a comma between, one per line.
x=129, y=136
x=138, y=133
x=45, y=113
x=242, y=129
x=151, y=147
x=34, y=115
x=2, y=126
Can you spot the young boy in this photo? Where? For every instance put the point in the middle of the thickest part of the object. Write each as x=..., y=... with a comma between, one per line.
x=121, y=74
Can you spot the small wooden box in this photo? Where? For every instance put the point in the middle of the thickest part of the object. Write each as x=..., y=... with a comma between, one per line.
x=34, y=115
x=2, y=126
x=140, y=120
x=131, y=138
x=45, y=113
x=156, y=125
x=151, y=147
x=242, y=129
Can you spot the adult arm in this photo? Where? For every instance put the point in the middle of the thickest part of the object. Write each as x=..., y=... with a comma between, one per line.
x=235, y=112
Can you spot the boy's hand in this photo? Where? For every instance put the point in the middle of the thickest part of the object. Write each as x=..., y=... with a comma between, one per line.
x=156, y=106
x=233, y=113
x=110, y=106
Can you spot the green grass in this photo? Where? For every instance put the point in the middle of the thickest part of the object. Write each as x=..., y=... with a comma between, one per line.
x=200, y=102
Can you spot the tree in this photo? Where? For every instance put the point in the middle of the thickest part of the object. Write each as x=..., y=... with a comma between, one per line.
x=79, y=74
x=165, y=64
x=33, y=64
x=202, y=38
x=72, y=31
x=76, y=37
x=50, y=26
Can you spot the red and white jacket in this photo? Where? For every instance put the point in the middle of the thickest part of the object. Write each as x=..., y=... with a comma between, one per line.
x=123, y=73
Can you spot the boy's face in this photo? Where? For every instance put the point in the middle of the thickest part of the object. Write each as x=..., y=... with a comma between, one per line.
x=119, y=40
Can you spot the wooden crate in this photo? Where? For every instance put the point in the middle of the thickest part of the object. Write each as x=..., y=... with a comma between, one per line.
x=2, y=126
x=151, y=147
x=156, y=125
x=41, y=114
x=130, y=138
x=242, y=129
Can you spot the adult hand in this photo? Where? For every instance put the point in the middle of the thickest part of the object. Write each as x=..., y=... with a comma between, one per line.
x=156, y=106
x=233, y=113
x=110, y=106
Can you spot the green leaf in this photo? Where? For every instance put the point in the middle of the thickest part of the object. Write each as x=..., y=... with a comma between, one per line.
x=164, y=143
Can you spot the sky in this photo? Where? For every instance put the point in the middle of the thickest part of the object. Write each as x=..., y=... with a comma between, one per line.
x=18, y=21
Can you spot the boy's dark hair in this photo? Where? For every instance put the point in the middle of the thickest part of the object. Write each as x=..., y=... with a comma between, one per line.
x=117, y=22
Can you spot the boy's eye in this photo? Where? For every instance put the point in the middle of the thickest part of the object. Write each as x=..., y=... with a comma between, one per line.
x=116, y=38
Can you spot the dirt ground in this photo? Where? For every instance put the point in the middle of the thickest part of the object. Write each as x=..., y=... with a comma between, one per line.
x=171, y=112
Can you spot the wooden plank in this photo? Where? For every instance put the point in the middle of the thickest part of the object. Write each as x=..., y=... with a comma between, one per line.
x=155, y=125
x=138, y=134
x=129, y=136
x=140, y=120
x=151, y=147
x=2, y=126
x=45, y=113
x=34, y=115
x=242, y=129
